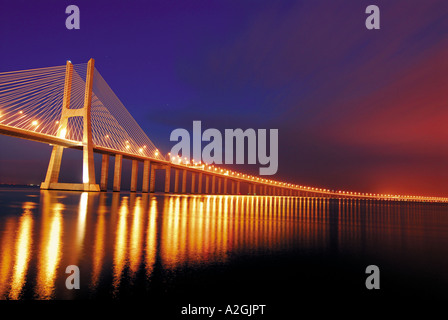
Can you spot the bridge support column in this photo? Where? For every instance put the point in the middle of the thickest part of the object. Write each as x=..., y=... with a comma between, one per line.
x=219, y=185
x=88, y=170
x=193, y=182
x=184, y=181
x=134, y=175
x=117, y=172
x=104, y=172
x=233, y=187
x=167, y=178
x=152, y=179
x=225, y=185
x=213, y=184
x=145, y=184
x=255, y=189
x=200, y=182
x=207, y=179
x=250, y=189
x=176, y=180
x=238, y=187
x=54, y=167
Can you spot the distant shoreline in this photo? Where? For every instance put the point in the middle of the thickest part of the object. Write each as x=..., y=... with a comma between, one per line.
x=8, y=185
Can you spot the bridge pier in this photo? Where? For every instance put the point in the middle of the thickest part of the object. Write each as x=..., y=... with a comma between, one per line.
x=200, y=182
x=152, y=179
x=193, y=182
x=238, y=187
x=184, y=181
x=167, y=178
x=134, y=175
x=207, y=179
x=117, y=172
x=145, y=183
x=176, y=180
x=219, y=185
x=213, y=184
x=225, y=185
x=233, y=187
x=104, y=172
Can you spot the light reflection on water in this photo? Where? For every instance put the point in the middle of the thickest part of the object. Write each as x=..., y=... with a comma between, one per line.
x=116, y=238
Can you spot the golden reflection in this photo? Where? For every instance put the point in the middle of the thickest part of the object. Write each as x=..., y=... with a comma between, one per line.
x=50, y=246
x=6, y=256
x=120, y=243
x=81, y=225
x=151, y=237
x=183, y=226
x=133, y=232
x=23, y=250
x=136, y=235
x=99, y=244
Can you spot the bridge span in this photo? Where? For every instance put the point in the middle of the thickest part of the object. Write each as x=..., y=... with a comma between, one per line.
x=62, y=107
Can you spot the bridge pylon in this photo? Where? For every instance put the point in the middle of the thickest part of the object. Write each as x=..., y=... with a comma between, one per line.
x=88, y=170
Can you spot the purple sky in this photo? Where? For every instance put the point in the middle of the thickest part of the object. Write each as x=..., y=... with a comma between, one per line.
x=356, y=109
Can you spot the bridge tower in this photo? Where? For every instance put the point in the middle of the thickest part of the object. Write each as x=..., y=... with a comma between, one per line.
x=88, y=169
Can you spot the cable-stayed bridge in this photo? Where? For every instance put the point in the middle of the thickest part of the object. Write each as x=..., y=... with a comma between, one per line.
x=72, y=106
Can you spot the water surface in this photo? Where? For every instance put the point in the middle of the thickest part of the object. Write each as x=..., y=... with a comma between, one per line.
x=179, y=249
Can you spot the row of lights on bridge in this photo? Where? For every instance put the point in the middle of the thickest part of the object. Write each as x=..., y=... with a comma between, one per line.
x=179, y=161
x=212, y=168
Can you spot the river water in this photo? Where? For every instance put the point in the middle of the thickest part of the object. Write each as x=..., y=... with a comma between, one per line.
x=176, y=250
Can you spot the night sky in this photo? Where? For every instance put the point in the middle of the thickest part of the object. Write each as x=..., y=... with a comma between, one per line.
x=357, y=109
